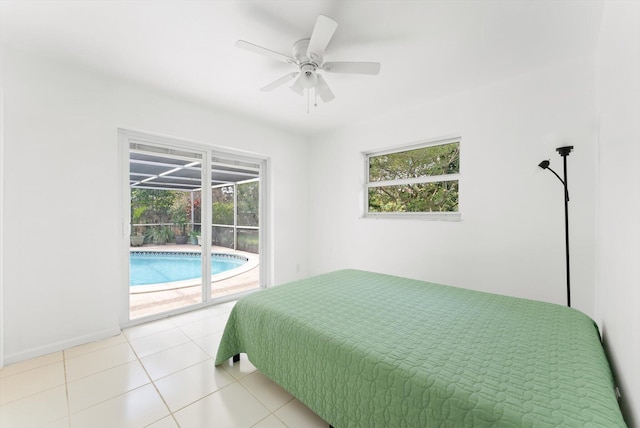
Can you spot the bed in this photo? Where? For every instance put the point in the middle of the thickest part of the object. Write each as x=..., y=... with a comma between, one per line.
x=363, y=349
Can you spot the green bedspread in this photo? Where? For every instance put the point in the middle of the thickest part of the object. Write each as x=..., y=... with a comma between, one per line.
x=369, y=350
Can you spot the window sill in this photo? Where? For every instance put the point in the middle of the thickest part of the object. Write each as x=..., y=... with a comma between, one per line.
x=432, y=216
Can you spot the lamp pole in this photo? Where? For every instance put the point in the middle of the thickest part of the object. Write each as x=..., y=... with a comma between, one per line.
x=564, y=152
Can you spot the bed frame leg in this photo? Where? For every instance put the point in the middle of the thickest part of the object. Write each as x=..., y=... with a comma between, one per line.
x=236, y=358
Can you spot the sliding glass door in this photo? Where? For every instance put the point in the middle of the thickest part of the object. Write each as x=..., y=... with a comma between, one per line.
x=235, y=223
x=165, y=265
x=195, y=225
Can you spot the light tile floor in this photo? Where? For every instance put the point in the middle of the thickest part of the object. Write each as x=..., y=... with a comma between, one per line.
x=160, y=375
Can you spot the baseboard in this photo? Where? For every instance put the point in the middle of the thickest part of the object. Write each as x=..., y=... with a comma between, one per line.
x=60, y=345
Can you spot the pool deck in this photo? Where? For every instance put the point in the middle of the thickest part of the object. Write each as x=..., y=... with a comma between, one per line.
x=168, y=298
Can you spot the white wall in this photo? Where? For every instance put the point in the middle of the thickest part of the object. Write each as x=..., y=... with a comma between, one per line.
x=511, y=237
x=1, y=221
x=618, y=207
x=62, y=231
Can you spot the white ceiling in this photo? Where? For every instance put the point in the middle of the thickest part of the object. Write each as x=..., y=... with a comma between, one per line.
x=427, y=48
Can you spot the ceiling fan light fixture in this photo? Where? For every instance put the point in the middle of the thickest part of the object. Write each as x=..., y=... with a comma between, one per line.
x=308, y=77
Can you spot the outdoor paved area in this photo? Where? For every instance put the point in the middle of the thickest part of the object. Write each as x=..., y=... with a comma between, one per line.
x=236, y=281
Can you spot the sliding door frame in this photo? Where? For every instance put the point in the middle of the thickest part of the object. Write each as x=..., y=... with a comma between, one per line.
x=125, y=138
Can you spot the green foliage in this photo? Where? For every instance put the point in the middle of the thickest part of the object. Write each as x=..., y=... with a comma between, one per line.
x=424, y=162
x=248, y=200
x=152, y=205
x=223, y=236
x=222, y=205
x=249, y=240
x=155, y=206
x=427, y=197
x=417, y=163
x=159, y=234
x=222, y=213
x=179, y=216
x=248, y=204
x=196, y=207
x=137, y=213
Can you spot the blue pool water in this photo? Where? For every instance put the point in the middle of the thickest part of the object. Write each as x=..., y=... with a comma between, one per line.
x=157, y=267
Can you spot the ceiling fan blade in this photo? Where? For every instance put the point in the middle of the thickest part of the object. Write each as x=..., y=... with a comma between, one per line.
x=352, y=67
x=264, y=51
x=297, y=86
x=323, y=90
x=322, y=33
x=281, y=81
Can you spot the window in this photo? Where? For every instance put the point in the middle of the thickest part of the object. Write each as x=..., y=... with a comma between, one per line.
x=417, y=181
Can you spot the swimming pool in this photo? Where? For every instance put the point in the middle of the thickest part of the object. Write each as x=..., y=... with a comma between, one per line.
x=146, y=267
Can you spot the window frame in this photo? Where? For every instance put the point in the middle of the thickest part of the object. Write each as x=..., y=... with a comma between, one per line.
x=433, y=215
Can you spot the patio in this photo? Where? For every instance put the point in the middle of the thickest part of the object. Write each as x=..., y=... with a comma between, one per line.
x=236, y=281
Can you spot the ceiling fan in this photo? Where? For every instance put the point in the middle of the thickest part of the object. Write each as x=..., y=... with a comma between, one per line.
x=308, y=56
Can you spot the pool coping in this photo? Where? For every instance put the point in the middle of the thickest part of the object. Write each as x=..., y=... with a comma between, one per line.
x=252, y=262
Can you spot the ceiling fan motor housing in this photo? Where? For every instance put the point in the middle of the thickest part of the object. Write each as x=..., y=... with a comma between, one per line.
x=299, y=51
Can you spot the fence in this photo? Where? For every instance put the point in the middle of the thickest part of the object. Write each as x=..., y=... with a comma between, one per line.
x=243, y=238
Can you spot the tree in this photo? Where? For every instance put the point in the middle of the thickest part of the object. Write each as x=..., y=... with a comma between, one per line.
x=248, y=203
x=222, y=205
x=158, y=204
x=430, y=161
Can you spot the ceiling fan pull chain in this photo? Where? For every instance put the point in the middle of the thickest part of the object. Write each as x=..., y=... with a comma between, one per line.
x=315, y=97
x=308, y=99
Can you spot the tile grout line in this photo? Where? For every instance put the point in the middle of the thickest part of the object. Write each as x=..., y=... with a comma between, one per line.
x=152, y=383
x=93, y=374
x=203, y=397
x=3, y=378
x=99, y=371
x=126, y=392
x=28, y=396
x=192, y=340
x=209, y=358
x=66, y=388
x=271, y=413
x=235, y=380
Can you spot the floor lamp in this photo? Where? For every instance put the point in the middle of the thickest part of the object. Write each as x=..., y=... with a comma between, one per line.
x=564, y=152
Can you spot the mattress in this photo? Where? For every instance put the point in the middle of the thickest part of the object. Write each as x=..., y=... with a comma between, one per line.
x=363, y=349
